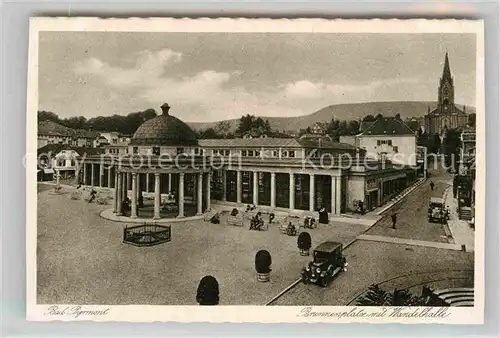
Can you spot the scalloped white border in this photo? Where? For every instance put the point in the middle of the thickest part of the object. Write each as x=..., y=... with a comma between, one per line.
x=263, y=314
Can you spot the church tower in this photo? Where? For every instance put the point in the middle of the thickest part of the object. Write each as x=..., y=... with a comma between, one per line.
x=446, y=90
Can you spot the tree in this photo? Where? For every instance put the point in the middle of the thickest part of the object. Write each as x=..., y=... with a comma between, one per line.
x=48, y=116
x=379, y=116
x=369, y=118
x=222, y=128
x=375, y=296
x=434, y=144
x=263, y=265
x=304, y=243
x=208, y=291
x=209, y=133
x=353, y=127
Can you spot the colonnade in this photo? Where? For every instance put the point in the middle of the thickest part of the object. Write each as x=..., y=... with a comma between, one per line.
x=336, y=185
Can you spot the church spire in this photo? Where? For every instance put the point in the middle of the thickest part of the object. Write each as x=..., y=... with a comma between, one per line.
x=446, y=69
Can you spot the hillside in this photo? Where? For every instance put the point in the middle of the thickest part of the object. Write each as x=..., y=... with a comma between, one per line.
x=351, y=111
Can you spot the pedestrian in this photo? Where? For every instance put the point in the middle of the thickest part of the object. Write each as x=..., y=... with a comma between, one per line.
x=394, y=219
x=432, y=186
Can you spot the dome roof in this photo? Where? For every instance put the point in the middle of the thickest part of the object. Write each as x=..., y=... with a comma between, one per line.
x=164, y=130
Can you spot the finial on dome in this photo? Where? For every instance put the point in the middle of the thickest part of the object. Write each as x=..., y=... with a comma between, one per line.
x=165, y=108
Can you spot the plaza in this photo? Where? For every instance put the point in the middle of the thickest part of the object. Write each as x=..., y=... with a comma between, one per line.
x=81, y=258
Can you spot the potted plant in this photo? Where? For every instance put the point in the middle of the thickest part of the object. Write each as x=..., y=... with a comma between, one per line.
x=208, y=291
x=304, y=243
x=263, y=265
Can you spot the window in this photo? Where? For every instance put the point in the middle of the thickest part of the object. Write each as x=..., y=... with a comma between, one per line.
x=250, y=153
x=284, y=153
x=156, y=151
x=243, y=153
x=180, y=151
x=275, y=153
x=228, y=152
x=72, y=163
x=378, y=142
x=215, y=152
x=196, y=151
x=257, y=153
x=395, y=149
x=291, y=153
x=135, y=150
x=389, y=142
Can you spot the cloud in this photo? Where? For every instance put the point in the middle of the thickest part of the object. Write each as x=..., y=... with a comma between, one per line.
x=210, y=95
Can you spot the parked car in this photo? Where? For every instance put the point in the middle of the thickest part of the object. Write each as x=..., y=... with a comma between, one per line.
x=328, y=261
x=437, y=210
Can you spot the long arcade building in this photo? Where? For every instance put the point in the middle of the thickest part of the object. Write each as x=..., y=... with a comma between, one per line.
x=286, y=174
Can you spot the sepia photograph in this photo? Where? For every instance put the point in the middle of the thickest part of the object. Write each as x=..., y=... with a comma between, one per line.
x=272, y=165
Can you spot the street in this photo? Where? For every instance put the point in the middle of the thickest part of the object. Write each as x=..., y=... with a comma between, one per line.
x=395, y=263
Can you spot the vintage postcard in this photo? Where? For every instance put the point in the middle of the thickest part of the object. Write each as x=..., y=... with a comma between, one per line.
x=256, y=170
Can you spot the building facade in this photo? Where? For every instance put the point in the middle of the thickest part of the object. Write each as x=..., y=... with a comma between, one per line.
x=388, y=138
x=165, y=158
x=446, y=115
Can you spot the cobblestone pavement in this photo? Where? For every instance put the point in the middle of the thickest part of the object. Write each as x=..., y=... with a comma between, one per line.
x=411, y=213
x=393, y=265
x=81, y=258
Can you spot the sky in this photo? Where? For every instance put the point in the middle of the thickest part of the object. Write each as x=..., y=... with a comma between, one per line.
x=216, y=76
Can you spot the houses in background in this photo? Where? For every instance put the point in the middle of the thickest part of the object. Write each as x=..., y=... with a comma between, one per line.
x=387, y=138
x=50, y=132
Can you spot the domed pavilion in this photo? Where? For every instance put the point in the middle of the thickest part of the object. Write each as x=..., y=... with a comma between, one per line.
x=162, y=175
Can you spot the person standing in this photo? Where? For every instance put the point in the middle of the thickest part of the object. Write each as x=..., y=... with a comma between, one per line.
x=394, y=219
x=432, y=186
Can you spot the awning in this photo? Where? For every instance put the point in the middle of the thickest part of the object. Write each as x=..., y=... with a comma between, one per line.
x=48, y=171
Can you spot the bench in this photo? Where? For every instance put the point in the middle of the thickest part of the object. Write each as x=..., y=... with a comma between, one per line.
x=235, y=220
x=207, y=217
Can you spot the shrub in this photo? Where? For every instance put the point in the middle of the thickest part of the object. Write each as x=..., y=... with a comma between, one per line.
x=263, y=261
x=208, y=291
x=304, y=241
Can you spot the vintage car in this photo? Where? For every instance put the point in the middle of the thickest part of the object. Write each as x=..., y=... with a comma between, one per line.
x=328, y=261
x=437, y=210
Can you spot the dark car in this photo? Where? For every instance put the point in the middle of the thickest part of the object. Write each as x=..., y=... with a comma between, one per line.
x=328, y=261
x=437, y=211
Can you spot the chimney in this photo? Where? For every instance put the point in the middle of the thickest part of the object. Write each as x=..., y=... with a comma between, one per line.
x=165, y=108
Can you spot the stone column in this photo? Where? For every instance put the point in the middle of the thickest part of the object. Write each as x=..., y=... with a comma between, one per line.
x=133, y=213
x=92, y=177
x=101, y=175
x=338, y=195
x=119, y=188
x=169, y=183
x=117, y=198
x=109, y=177
x=157, y=196
x=58, y=177
x=209, y=178
x=224, y=186
x=311, y=192
x=255, y=188
x=181, y=195
x=291, y=195
x=138, y=184
x=127, y=184
x=147, y=182
x=333, y=197
x=273, y=190
x=84, y=174
x=199, y=199
x=238, y=186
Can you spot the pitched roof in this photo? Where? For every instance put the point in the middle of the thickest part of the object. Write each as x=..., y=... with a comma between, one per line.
x=52, y=128
x=54, y=149
x=388, y=126
x=365, y=125
x=271, y=142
